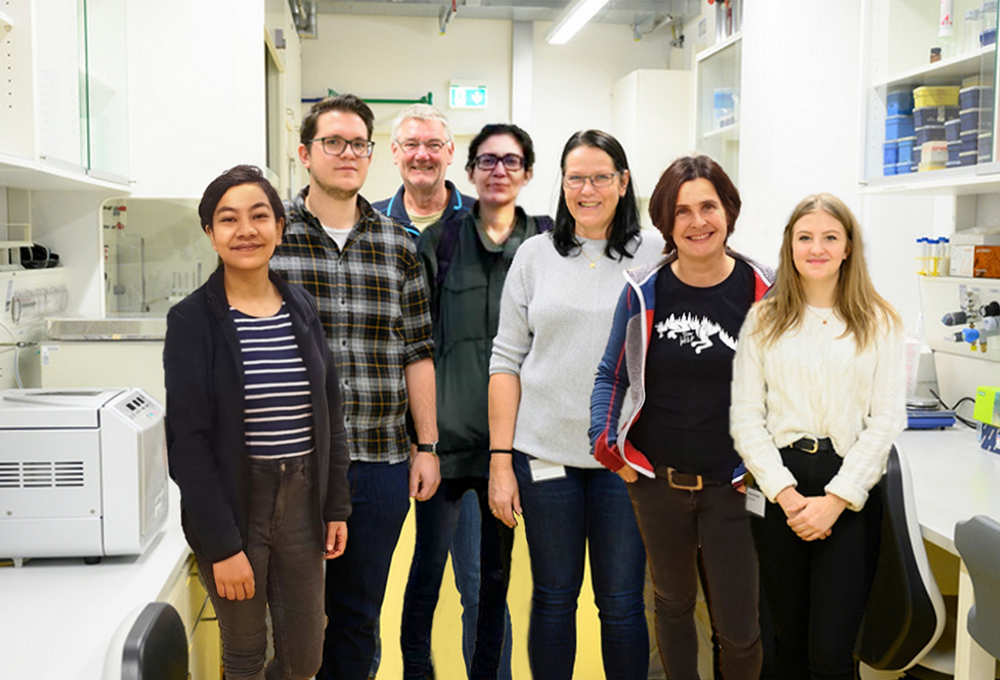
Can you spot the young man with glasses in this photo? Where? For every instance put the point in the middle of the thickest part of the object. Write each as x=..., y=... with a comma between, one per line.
x=363, y=271
x=422, y=149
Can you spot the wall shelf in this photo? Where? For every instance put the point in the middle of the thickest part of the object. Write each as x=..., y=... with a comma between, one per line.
x=718, y=47
x=730, y=133
x=943, y=72
x=18, y=173
x=952, y=182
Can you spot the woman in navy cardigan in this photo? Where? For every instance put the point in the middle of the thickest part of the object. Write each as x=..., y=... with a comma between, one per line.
x=255, y=437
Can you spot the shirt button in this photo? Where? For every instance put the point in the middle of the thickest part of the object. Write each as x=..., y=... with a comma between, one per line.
x=343, y=343
x=343, y=301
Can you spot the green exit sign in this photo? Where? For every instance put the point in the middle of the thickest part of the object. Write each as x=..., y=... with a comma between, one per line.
x=468, y=97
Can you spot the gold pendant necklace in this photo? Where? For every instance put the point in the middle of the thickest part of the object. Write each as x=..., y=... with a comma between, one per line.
x=592, y=260
x=824, y=320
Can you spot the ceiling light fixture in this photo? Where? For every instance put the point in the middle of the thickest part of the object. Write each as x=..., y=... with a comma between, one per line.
x=572, y=20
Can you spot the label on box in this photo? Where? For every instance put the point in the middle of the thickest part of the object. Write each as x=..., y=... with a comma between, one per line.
x=961, y=260
x=986, y=262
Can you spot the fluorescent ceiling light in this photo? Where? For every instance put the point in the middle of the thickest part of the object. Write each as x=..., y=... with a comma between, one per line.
x=572, y=20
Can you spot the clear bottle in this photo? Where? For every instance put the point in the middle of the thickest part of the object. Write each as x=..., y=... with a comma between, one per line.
x=971, y=28
x=934, y=258
x=923, y=248
x=988, y=17
x=946, y=30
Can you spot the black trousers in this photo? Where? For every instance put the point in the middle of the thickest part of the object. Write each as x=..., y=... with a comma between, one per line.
x=817, y=590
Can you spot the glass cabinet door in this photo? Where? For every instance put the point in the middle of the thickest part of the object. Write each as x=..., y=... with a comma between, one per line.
x=106, y=95
x=717, y=105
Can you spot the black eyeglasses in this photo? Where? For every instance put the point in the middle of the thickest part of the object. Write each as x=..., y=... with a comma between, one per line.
x=488, y=161
x=335, y=146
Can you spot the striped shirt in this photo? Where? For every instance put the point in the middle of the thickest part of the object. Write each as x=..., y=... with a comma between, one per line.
x=278, y=404
x=372, y=300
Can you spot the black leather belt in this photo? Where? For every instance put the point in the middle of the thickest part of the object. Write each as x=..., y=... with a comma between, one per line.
x=810, y=445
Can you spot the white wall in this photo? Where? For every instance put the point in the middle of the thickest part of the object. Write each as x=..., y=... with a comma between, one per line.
x=196, y=92
x=404, y=57
x=801, y=114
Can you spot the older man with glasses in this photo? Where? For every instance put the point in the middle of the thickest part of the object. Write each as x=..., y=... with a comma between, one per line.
x=363, y=270
x=422, y=149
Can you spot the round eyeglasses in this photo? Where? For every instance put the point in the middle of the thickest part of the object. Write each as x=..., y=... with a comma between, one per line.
x=335, y=146
x=488, y=161
x=597, y=181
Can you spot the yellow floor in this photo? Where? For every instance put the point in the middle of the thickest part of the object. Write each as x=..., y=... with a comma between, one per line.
x=446, y=644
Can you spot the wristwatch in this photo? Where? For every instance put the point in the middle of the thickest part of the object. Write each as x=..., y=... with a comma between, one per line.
x=428, y=448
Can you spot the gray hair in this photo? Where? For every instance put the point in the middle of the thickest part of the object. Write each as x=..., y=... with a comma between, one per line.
x=420, y=112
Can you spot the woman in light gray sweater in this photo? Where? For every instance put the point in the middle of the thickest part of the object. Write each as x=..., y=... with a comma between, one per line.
x=555, y=316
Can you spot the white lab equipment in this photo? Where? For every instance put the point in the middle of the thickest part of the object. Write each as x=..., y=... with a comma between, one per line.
x=83, y=472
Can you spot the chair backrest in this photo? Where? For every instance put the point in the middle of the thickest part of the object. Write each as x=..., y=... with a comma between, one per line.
x=978, y=542
x=905, y=614
x=156, y=646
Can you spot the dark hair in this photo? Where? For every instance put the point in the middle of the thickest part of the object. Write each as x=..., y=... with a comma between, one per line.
x=663, y=202
x=234, y=177
x=342, y=102
x=494, y=129
x=624, y=225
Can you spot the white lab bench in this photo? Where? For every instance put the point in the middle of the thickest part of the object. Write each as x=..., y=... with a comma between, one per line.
x=58, y=616
x=953, y=480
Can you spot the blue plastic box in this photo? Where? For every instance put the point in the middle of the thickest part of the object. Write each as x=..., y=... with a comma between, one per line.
x=888, y=170
x=930, y=133
x=985, y=147
x=975, y=96
x=934, y=115
x=904, y=150
x=970, y=141
x=954, y=149
x=890, y=153
x=967, y=158
x=953, y=130
x=899, y=102
x=970, y=119
x=898, y=127
x=904, y=168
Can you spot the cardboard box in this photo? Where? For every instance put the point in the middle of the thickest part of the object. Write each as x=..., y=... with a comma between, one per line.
x=961, y=260
x=986, y=262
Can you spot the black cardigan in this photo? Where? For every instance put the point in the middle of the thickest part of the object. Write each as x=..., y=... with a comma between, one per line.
x=206, y=450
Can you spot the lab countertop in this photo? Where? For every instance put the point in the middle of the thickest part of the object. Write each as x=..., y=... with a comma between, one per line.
x=953, y=480
x=58, y=616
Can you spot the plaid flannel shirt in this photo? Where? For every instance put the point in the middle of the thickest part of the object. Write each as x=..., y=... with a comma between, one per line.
x=372, y=301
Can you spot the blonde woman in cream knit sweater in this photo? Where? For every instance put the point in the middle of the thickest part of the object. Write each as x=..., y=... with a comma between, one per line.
x=818, y=397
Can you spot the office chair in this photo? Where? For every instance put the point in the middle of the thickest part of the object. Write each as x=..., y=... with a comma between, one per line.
x=151, y=644
x=978, y=543
x=905, y=614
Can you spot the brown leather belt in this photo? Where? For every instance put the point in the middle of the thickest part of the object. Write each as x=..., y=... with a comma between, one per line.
x=680, y=480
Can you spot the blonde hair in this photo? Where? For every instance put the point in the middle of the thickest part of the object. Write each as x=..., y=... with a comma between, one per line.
x=863, y=310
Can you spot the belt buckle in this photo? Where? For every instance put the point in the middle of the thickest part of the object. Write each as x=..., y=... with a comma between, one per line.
x=815, y=445
x=697, y=486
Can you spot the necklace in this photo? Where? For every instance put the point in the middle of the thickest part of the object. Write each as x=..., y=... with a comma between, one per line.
x=592, y=260
x=824, y=320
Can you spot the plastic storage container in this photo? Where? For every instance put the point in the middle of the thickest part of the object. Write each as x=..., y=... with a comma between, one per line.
x=899, y=102
x=968, y=158
x=904, y=168
x=889, y=170
x=904, y=150
x=970, y=119
x=930, y=133
x=935, y=153
x=935, y=96
x=970, y=97
x=890, y=153
x=934, y=115
x=970, y=141
x=988, y=16
x=953, y=130
x=898, y=127
x=954, y=149
x=985, y=147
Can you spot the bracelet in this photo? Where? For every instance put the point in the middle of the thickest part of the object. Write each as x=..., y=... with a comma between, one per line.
x=510, y=451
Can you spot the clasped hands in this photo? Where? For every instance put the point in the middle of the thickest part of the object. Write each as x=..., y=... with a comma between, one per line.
x=810, y=517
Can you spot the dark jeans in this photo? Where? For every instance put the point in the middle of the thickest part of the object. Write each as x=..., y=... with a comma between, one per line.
x=674, y=523
x=817, y=589
x=355, y=581
x=285, y=549
x=456, y=519
x=590, y=506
